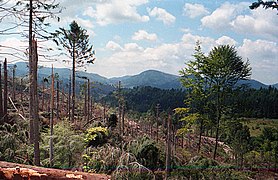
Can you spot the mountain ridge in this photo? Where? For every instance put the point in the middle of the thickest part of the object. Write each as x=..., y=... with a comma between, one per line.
x=153, y=78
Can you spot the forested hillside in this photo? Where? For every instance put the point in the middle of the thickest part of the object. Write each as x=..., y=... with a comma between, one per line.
x=211, y=121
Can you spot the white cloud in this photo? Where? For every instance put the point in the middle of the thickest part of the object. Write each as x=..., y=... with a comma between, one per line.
x=206, y=42
x=261, y=22
x=115, y=11
x=221, y=18
x=162, y=15
x=194, y=10
x=263, y=56
x=226, y=40
x=144, y=35
x=113, y=46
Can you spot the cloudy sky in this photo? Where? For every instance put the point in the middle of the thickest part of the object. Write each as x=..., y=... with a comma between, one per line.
x=131, y=36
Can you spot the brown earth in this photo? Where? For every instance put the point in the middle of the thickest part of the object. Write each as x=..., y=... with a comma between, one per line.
x=13, y=171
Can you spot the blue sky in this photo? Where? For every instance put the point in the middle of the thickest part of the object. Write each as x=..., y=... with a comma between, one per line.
x=131, y=36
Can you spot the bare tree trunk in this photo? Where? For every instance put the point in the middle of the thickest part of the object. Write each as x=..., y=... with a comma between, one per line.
x=31, y=100
x=73, y=84
x=21, y=92
x=5, y=91
x=85, y=101
x=1, y=97
x=157, y=114
x=14, y=82
x=51, y=152
x=88, y=101
x=69, y=100
x=168, y=147
x=123, y=119
x=217, y=125
x=35, y=105
x=57, y=99
x=119, y=106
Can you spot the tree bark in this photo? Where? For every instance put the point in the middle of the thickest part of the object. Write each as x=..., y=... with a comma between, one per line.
x=35, y=105
x=31, y=100
x=73, y=84
x=168, y=147
x=57, y=99
x=14, y=82
x=5, y=91
x=69, y=99
x=51, y=151
x=1, y=97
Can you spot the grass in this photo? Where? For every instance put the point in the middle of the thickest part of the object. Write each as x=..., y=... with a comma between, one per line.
x=257, y=125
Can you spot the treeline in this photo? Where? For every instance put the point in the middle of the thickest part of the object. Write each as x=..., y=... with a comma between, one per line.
x=143, y=99
x=252, y=103
x=249, y=103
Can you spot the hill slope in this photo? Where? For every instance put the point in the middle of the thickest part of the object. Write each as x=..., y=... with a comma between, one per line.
x=151, y=78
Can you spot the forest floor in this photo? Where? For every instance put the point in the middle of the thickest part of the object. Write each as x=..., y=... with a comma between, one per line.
x=20, y=171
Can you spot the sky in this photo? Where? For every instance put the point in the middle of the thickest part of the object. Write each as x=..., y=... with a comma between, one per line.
x=131, y=36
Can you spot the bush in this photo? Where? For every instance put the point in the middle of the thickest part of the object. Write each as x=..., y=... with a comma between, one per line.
x=68, y=146
x=96, y=136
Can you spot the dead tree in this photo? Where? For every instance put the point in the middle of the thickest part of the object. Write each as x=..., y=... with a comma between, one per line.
x=5, y=110
x=168, y=146
x=51, y=152
x=33, y=102
x=1, y=97
x=57, y=99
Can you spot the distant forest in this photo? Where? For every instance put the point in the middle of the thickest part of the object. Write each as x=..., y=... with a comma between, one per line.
x=249, y=103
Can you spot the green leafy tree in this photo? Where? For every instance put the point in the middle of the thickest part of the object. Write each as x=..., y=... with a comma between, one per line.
x=76, y=42
x=197, y=86
x=214, y=77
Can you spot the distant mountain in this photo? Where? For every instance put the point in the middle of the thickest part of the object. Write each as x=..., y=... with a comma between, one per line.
x=64, y=73
x=151, y=78
x=275, y=85
x=253, y=84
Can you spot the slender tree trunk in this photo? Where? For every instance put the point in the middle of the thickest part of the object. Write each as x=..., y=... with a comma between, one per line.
x=217, y=124
x=168, y=147
x=89, y=102
x=157, y=114
x=43, y=89
x=5, y=91
x=1, y=97
x=69, y=99
x=119, y=107
x=51, y=151
x=123, y=119
x=31, y=100
x=35, y=105
x=85, y=101
x=14, y=83
x=57, y=99
x=73, y=84
x=21, y=93
x=200, y=136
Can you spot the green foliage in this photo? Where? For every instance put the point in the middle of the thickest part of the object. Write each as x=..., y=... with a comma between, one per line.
x=143, y=99
x=102, y=159
x=68, y=146
x=76, y=42
x=146, y=152
x=14, y=144
x=112, y=121
x=266, y=4
x=96, y=136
